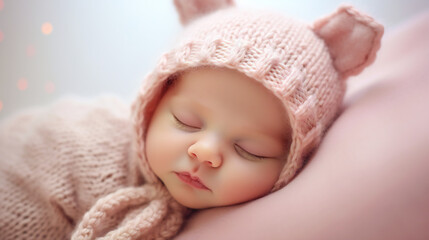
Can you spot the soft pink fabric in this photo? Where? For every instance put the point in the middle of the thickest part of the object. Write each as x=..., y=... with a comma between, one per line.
x=59, y=162
x=56, y=162
x=353, y=39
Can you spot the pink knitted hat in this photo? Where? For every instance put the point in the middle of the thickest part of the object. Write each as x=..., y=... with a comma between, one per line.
x=304, y=66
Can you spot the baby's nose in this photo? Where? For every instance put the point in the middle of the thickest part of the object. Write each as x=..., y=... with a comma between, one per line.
x=207, y=152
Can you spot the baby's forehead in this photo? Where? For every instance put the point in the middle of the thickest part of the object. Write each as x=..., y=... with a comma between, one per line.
x=221, y=93
x=219, y=78
x=223, y=84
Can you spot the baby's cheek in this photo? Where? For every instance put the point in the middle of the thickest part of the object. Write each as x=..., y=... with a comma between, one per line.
x=167, y=148
x=155, y=149
x=246, y=184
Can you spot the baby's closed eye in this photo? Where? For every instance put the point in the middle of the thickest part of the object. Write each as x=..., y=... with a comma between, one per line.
x=186, y=123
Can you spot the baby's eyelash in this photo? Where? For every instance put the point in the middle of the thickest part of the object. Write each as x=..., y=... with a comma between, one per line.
x=246, y=154
x=183, y=125
x=178, y=122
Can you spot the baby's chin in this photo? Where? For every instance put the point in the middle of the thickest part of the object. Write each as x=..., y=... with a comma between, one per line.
x=193, y=202
x=195, y=206
x=190, y=202
x=199, y=204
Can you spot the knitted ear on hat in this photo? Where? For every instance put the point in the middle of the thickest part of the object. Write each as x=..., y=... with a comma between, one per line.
x=192, y=9
x=353, y=39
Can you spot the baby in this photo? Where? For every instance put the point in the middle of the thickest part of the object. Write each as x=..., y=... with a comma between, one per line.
x=227, y=116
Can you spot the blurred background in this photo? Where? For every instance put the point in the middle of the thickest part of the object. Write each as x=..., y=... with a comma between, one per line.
x=50, y=48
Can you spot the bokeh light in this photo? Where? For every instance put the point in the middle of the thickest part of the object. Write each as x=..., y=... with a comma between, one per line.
x=1, y=105
x=1, y=5
x=22, y=84
x=49, y=87
x=31, y=50
x=47, y=28
x=1, y=36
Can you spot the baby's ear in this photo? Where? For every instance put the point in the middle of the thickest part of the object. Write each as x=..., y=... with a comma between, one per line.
x=353, y=39
x=192, y=9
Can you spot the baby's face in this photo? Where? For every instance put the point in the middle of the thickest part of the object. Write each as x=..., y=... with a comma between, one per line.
x=217, y=138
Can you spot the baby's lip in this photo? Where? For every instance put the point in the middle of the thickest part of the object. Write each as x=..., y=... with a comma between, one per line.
x=191, y=180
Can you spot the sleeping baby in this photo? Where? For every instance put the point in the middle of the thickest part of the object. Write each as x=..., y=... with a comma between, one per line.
x=228, y=115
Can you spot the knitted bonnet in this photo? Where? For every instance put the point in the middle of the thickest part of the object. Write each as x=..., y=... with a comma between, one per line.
x=303, y=66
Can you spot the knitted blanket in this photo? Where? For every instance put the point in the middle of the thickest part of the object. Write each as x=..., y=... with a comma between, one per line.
x=55, y=163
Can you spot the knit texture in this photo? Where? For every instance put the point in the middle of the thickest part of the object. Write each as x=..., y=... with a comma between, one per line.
x=72, y=158
x=304, y=66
